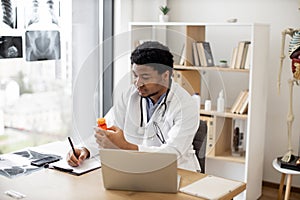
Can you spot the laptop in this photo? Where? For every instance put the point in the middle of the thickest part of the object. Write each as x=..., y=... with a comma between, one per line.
x=139, y=171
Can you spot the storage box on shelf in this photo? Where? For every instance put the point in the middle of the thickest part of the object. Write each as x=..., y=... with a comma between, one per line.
x=247, y=166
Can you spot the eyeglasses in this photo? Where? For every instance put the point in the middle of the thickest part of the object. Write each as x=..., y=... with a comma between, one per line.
x=159, y=133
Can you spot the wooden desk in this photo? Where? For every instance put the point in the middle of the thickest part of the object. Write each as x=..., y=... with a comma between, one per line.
x=51, y=184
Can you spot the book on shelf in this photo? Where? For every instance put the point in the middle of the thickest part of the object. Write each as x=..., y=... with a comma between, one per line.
x=208, y=54
x=205, y=54
x=233, y=58
x=201, y=55
x=182, y=55
x=248, y=56
x=236, y=102
x=210, y=143
x=245, y=54
x=241, y=54
x=195, y=54
x=244, y=104
x=239, y=101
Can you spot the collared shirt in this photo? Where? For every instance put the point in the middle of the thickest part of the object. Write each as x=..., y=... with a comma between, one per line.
x=152, y=107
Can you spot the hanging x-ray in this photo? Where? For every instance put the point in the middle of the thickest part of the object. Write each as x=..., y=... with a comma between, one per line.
x=10, y=47
x=8, y=14
x=42, y=45
x=42, y=38
x=42, y=14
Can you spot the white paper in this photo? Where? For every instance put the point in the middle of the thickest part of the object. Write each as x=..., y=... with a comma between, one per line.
x=86, y=166
x=62, y=148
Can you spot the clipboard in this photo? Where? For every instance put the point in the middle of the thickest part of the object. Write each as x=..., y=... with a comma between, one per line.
x=87, y=166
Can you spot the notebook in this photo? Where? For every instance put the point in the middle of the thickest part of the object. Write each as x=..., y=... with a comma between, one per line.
x=211, y=187
x=139, y=171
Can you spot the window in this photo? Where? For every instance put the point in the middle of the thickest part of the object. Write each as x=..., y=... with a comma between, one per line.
x=50, y=82
x=35, y=72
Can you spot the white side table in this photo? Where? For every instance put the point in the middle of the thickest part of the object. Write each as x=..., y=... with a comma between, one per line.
x=289, y=174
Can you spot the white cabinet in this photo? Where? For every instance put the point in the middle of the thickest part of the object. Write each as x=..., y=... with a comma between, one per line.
x=209, y=81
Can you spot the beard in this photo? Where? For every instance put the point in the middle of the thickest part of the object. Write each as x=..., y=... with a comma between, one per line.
x=143, y=91
x=152, y=94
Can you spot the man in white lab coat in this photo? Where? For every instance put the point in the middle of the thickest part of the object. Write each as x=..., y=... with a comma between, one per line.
x=154, y=115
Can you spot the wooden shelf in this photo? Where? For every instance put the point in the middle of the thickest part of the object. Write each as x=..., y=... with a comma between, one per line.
x=228, y=157
x=216, y=68
x=224, y=114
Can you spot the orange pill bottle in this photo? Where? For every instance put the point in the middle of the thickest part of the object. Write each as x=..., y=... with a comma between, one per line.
x=101, y=123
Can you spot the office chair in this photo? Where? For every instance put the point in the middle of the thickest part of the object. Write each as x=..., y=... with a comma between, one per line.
x=199, y=143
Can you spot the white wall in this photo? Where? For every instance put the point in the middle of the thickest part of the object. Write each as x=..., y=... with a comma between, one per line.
x=280, y=14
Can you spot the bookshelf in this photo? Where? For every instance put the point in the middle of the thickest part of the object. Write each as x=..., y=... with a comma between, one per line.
x=209, y=81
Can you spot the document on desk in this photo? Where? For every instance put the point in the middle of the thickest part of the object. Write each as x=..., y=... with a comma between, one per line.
x=62, y=148
x=211, y=187
x=87, y=166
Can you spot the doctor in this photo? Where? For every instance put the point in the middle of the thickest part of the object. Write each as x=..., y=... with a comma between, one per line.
x=154, y=114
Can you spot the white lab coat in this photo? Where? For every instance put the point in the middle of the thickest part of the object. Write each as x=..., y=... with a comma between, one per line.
x=178, y=125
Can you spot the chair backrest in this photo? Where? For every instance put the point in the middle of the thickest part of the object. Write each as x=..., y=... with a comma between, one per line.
x=199, y=144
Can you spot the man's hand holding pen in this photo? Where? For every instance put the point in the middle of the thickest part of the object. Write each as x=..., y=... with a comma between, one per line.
x=80, y=155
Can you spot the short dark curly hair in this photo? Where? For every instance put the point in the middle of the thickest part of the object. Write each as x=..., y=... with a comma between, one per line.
x=154, y=54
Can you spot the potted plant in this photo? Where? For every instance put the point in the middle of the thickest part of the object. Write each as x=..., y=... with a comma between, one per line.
x=223, y=63
x=164, y=16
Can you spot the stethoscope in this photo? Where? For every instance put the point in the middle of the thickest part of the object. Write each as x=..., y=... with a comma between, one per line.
x=157, y=129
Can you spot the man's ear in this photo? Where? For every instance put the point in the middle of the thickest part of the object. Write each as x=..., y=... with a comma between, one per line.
x=166, y=75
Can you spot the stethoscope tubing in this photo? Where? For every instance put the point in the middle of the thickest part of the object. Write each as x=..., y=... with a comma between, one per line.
x=157, y=128
x=163, y=104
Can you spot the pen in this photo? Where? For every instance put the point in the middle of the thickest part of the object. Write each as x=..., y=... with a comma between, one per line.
x=61, y=169
x=72, y=146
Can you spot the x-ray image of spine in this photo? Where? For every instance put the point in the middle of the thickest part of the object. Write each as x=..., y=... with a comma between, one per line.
x=42, y=45
x=8, y=14
x=43, y=13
